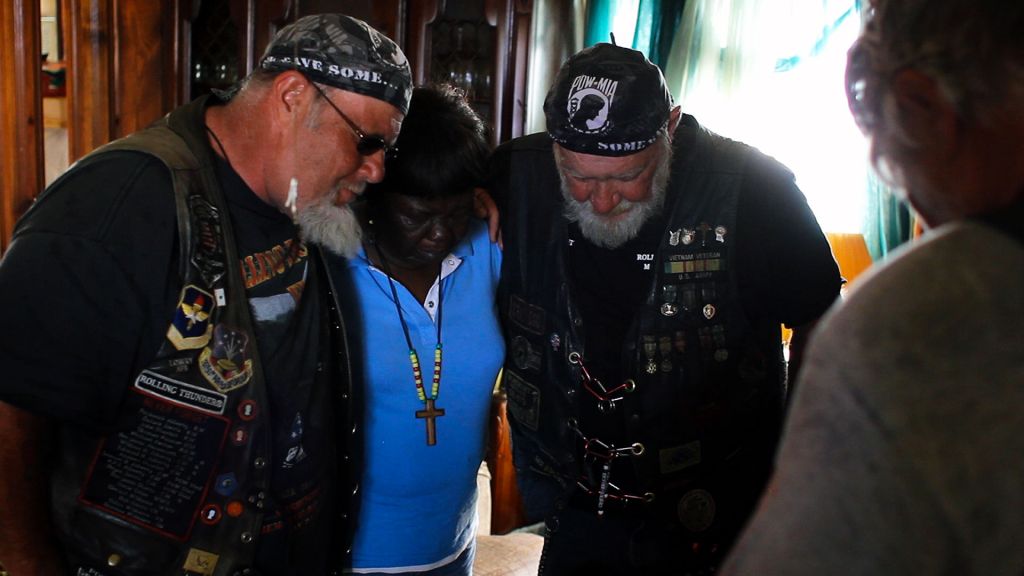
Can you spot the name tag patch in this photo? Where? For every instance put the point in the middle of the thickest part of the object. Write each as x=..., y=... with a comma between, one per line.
x=527, y=316
x=181, y=393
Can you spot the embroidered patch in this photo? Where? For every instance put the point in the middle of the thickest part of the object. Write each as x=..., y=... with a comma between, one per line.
x=190, y=328
x=696, y=510
x=589, y=100
x=181, y=393
x=210, y=514
x=679, y=457
x=247, y=409
x=523, y=400
x=526, y=315
x=156, y=474
x=200, y=561
x=523, y=355
x=208, y=256
x=226, y=364
x=239, y=435
x=235, y=508
x=226, y=484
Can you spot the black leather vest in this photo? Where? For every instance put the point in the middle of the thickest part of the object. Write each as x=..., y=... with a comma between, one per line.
x=180, y=490
x=706, y=397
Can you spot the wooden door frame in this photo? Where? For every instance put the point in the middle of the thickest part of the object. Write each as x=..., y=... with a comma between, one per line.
x=22, y=171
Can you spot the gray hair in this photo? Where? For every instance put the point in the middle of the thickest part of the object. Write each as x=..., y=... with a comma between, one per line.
x=973, y=50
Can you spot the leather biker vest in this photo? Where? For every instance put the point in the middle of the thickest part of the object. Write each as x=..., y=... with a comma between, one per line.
x=705, y=397
x=180, y=490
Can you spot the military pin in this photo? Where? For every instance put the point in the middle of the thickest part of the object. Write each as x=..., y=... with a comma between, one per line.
x=679, y=342
x=665, y=348
x=718, y=335
x=705, y=338
x=650, y=349
x=555, y=341
x=669, y=310
x=720, y=233
x=688, y=236
x=709, y=311
x=673, y=237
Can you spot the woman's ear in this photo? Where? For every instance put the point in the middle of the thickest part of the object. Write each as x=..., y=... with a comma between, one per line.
x=926, y=115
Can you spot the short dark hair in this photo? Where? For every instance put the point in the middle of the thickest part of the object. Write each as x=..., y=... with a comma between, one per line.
x=442, y=148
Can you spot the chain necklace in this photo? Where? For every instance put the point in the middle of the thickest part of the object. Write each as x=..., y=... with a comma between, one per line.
x=223, y=152
x=430, y=413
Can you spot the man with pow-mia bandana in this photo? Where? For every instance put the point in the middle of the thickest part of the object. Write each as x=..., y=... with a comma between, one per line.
x=178, y=394
x=648, y=266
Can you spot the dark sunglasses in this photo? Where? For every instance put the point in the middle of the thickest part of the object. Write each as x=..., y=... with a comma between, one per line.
x=368, y=144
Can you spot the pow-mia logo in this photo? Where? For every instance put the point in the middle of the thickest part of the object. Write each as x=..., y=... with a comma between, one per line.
x=590, y=99
x=190, y=327
x=226, y=364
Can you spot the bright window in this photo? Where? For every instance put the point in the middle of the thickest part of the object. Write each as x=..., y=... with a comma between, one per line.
x=770, y=73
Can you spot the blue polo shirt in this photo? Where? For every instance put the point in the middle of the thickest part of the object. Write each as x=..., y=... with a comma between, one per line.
x=418, y=508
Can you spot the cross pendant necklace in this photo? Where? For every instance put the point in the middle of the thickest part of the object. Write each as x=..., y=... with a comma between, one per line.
x=430, y=413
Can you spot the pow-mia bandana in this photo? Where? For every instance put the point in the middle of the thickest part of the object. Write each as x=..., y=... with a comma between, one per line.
x=607, y=100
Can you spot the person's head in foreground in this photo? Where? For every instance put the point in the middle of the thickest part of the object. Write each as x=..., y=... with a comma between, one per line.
x=938, y=87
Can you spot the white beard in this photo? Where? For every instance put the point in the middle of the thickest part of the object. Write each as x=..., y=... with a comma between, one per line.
x=606, y=230
x=331, y=226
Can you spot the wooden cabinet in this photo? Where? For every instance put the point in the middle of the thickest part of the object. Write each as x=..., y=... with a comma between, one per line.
x=129, y=62
x=478, y=45
x=120, y=76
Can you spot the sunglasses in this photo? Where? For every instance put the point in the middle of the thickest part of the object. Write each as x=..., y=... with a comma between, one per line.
x=368, y=144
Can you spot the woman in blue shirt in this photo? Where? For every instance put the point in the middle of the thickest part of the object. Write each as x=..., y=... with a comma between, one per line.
x=432, y=347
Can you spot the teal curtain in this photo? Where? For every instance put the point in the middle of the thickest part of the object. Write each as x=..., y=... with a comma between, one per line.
x=598, y=24
x=656, y=25
x=888, y=220
x=656, y=22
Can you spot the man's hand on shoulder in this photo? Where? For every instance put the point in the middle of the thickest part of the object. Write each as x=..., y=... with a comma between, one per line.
x=484, y=207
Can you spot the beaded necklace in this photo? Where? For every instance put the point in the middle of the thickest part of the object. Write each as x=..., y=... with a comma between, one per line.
x=430, y=413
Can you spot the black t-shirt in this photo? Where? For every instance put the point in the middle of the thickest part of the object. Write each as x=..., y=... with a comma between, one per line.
x=284, y=297
x=90, y=285
x=609, y=286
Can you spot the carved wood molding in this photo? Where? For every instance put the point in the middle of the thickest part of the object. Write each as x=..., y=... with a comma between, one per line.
x=21, y=147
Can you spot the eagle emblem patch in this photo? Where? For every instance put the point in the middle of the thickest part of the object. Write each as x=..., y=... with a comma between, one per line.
x=190, y=328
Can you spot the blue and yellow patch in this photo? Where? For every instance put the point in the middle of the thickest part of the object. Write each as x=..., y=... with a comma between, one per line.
x=190, y=328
